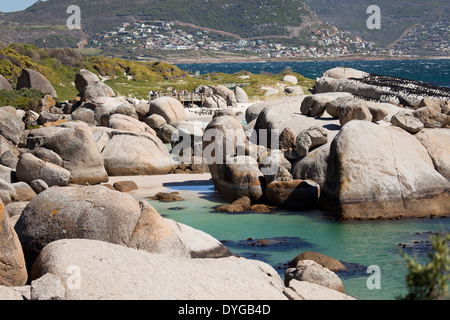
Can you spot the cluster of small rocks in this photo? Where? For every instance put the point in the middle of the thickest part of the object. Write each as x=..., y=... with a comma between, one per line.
x=341, y=152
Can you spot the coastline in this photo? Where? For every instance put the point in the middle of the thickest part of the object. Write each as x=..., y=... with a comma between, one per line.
x=260, y=60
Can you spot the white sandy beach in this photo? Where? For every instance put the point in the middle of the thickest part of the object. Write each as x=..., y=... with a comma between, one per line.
x=151, y=185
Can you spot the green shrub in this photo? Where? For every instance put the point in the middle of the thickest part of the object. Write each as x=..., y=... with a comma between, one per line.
x=26, y=99
x=430, y=281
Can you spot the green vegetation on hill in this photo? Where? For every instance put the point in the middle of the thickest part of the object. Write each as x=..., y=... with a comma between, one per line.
x=245, y=18
x=396, y=16
x=127, y=78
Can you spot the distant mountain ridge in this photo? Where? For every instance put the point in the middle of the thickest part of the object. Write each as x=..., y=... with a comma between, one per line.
x=397, y=16
x=247, y=18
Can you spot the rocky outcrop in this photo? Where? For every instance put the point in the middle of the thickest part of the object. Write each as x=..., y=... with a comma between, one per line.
x=12, y=263
x=239, y=177
x=311, y=271
x=304, y=290
x=136, y=154
x=169, y=108
x=11, y=125
x=116, y=272
x=225, y=93
x=222, y=136
x=200, y=244
x=314, y=166
x=406, y=121
x=273, y=119
x=325, y=261
x=377, y=171
x=241, y=95
x=104, y=107
x=377, y=87
x=96, y=90
x=75, y=147
x=344, y=73
x=215, y=102
x=314, y=105
x=127, y=123
x=310, y=138
x=4, y=84
x=93, y=213
x=33, y=79
x=291, y=79
x=296, y=194
x=437, y=143
x=83, y=78
x=30, y=168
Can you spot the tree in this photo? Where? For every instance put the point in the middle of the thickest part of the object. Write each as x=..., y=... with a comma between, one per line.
x=431, y=280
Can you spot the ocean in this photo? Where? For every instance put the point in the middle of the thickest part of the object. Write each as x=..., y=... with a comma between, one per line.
x=358, y=244
x=435, y=72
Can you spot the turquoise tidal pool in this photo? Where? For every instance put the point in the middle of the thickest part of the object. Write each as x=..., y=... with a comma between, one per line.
x=276, y=238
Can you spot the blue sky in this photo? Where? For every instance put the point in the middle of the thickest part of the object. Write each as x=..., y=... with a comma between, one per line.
x=15, y=5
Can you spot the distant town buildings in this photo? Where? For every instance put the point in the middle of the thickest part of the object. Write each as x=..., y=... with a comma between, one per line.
x=144, y=37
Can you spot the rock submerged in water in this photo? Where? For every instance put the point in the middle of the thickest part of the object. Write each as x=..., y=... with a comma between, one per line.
x=325, y=261
x=296, y=194
x=167, y=197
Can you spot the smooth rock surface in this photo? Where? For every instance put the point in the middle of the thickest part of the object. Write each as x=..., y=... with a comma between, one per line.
x=114, y=272
x=385, y=172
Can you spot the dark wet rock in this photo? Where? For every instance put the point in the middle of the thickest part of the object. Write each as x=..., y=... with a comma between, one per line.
x=325, y=261
x=296, y=194
x=240, y=205
x=167, y=197
x=277, y=243
x=125, y=186
x=262, y=208
x=239, y=177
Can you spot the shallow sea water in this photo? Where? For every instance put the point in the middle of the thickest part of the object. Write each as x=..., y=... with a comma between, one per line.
x=358, y=244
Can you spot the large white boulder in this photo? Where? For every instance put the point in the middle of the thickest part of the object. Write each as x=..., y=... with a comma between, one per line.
x=375, y=171
x=101, y=270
